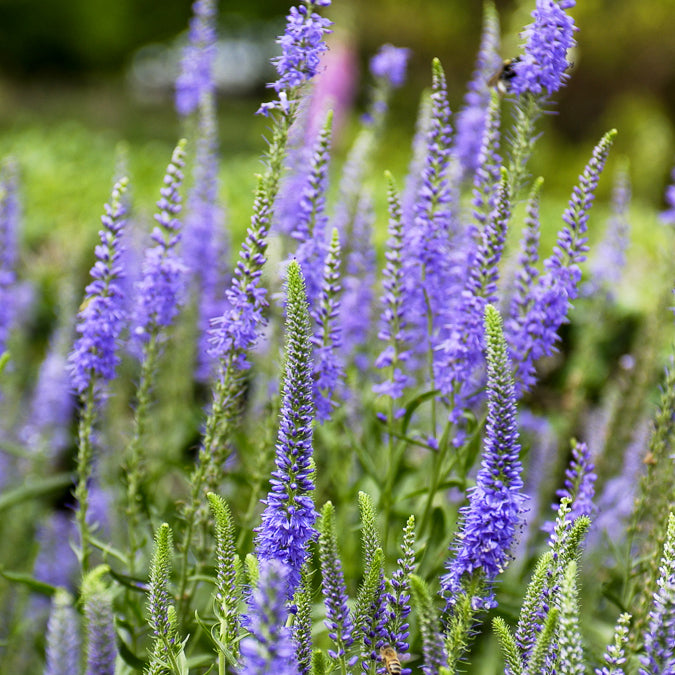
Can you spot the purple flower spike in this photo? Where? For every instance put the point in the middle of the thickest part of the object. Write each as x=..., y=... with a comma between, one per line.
x=358, y=280
x=615, y=654
x=269, y=648
x=398, y=628
x=161, y=287
x=579, y=485
x=196, y=76
x=393, y=325
x=491, y=519
x=471, y=118
x=301, y=47
x=9, y=224
x=309, y=221
x=668, y=216
x=550, y=298
x=390, y=63
x=427, y=241
x=338, y=617
x=102, y=316
x=543, y=66
x=659, y=641
x=289, y=515
x=232, y=334
x=609, y=260
x=204, y=240
x=461, y=353
x=328, y=368
x=63, y=636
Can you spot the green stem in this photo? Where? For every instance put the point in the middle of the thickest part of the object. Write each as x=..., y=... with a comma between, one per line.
x=134, y=463
x=526, y=115
x=222, y=661
x=84, y=468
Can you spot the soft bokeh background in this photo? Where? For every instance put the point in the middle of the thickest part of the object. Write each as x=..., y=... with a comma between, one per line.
x=79, y=79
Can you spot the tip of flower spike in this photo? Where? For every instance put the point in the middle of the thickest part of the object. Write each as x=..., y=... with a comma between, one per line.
x=493, y=321
x=437, y=68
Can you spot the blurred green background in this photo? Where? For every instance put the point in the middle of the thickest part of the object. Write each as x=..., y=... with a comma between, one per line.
x=79, y=78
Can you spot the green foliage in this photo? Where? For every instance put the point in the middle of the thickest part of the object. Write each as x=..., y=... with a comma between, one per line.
x=508, y=645
x=367, y=600
x=167, y=652
x=570, y=649
x=370, y=537
x=229, y=576
x=429, y=621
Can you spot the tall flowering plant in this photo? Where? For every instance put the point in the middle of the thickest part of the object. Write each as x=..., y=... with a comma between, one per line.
x=383, y=539
x=94, y=359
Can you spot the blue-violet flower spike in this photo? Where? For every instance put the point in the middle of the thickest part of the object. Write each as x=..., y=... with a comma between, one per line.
x=102, y=317
x=161, y=286
x=491, y=519
x=301, y=47
x=196, y=75
x=542, y=69
x=659, y=640
x=289, y=515
x=10, y=216
x=269, y=646
x=390, y=63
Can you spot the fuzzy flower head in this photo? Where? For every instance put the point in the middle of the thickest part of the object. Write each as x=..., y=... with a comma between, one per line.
x=102, y=316
x=196, y=74
x=390, y=63
x=301, y=47
x=543, y=66
x=160, y=289
x=63, y=636
x=99, y=621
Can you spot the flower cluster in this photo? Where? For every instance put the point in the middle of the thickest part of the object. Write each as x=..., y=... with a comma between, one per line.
x=390, y=63
x=470, y=124
x=579, y=486
x=101, y=317
x=328, y=368
x=268, y=647
x=301, y=47
x=534, y=334
x=659, y=654
x=668, y=216
x=196, y=77
x=233, y=333
x=288, y=519
x=338, y=617
x=9, y=222
x=495, y=503
x=542, y=69
x=161, y=286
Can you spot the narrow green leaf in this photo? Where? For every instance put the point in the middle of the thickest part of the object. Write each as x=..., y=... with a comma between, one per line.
x=33, y=489
x=415, y=403
x=543, y=644
x=30, y=581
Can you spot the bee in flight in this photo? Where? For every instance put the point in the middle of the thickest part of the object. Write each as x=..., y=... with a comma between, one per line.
x=389, y=657
x=502, y=78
